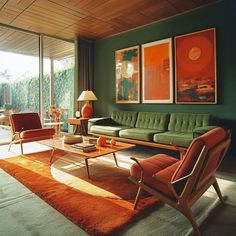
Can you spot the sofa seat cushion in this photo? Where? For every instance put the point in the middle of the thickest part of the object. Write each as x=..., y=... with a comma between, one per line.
x=138, y=133
x=174, y=138
x=33, y=133
x=160, y=165
x=107, y=130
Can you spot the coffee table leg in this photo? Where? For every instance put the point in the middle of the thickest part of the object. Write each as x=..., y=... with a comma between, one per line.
x=52, y=154
x=114, y=155
x=87, y=167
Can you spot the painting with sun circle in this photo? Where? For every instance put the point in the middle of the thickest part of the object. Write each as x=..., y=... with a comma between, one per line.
x=195, y=68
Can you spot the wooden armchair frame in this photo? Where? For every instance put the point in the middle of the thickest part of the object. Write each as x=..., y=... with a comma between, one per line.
x=17, y=133
x=194, y=185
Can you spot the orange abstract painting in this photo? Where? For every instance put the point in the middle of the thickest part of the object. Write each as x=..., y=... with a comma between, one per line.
x=195, y=59
x=157, y=72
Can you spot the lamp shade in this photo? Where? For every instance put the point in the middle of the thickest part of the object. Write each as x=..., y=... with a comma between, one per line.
x=87, y=109
x=87, y=95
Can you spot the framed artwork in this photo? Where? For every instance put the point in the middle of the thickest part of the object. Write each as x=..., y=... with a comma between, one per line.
x=157, y=72
x=127, y=75
x=195, y=68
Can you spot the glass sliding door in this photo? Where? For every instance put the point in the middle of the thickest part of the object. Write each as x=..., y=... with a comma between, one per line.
x=58, y=80
x=20, y=84
x=19, y=76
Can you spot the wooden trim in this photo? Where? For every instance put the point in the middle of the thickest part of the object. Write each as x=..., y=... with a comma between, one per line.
x=181, y=150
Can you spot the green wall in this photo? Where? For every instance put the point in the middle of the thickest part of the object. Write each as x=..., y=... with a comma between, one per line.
x=221, y=15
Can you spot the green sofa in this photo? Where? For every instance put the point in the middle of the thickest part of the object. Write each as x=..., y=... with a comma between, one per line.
x=183, y=127
x=153, y=128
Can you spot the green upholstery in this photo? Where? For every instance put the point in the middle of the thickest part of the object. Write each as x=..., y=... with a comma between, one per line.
x=174, y=138
x=181, y=128
x=99, y=121
x=126, y=118
x=152, y=120
x=138, y=133
x=202, y=130
x=148, y=124
x=187, y=122
x=111, y=126
x=107, y=130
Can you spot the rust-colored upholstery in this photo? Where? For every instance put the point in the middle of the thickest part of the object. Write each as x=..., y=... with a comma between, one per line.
x=26, y=127
x=181, y=182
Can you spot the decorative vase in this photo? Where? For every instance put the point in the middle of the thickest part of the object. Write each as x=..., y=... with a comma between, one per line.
x=101, y=141
x=113, y=142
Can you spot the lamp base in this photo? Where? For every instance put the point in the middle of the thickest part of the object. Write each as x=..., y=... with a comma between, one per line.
x=87, y=110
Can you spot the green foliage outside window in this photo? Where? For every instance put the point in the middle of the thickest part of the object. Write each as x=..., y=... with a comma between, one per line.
x=24, y=93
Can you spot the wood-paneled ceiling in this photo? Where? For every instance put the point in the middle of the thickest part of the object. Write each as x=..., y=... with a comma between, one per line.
x=94, y=19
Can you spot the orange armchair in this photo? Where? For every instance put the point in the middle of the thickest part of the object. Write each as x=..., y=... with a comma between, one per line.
x=180, y=183
x=26, y=127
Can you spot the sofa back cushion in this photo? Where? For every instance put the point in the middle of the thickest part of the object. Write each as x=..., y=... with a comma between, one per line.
x=187, y=122
x=126, y=118
x=152, y=120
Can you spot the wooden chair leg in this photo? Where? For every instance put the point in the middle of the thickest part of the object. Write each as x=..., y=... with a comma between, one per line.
x=21, y=148
x=139, y=193
x=217, y=189
x=9, y=148
x=189, y=215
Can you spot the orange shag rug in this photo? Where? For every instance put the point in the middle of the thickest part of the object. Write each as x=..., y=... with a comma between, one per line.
x=94, y=213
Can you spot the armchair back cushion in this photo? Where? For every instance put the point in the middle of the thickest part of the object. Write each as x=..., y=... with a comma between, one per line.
x=210, y=139
x=125, y=118
x=186, y=122
x=152, y=120
x=25, y=121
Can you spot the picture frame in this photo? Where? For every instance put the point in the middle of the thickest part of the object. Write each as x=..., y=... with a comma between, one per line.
x=195, y=68
x=157, y=72
x=128, y=75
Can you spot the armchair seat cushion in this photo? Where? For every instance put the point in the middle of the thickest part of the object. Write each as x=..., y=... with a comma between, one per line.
x=160, y=165
x=107, y=129
x=174, y=138
x=138, y=133
x=33, y=133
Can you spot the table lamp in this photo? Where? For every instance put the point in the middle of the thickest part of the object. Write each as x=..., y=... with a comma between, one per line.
x=87, y=109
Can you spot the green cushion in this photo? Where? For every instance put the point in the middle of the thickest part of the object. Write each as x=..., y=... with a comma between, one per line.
x=187, y=122
x=152, y=120
x=202, y=130
x=107, y=130
x=138, y=133
x=125, y=118
x=174, y=138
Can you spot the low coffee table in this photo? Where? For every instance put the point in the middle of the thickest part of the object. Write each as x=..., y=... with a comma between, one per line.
x=58, y=144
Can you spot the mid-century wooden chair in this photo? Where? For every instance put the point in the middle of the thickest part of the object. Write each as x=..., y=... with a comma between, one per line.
x=26, y=127
x=180, y=183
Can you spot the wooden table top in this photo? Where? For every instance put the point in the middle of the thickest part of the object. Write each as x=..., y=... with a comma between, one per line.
x=58, y=143
x=76, y=121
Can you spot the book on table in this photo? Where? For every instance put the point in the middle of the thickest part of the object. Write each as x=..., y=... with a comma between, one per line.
x=85, y=147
